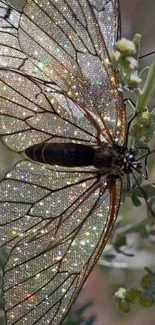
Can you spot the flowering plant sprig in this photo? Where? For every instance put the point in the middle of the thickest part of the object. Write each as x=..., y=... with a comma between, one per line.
x=125, y=59
x=144, y=296
x=141, y=84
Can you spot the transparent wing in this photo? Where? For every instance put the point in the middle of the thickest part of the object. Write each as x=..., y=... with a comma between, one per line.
x=66, y=40
x=52, y=247
x=27, y=116
x=55, y=222
x=10, y=52
x=107, y=13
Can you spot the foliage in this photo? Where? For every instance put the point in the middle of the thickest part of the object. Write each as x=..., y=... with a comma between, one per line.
x=145, y=296
x=139, y=85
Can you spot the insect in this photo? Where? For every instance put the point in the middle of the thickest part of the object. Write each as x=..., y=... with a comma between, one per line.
x=62, y=112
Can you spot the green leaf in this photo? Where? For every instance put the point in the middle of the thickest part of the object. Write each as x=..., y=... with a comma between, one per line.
x=135, y=200
x=144, y=73
x=132, y=295
x=146, y=300
x=149, y=189
x=130, y=107
x=120, y=241
x=153, y=111
x=152, y=207
x=124, y=305
x=147, y=281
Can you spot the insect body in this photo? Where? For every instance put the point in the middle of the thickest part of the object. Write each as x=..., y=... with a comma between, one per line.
x=109, y=161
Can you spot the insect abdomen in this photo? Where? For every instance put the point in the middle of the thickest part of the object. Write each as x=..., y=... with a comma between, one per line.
x=62, y=154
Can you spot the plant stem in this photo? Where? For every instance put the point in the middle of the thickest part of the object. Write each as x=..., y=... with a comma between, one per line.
x=145, y=94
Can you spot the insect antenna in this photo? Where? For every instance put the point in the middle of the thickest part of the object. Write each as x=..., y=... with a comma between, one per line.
x=145, y=55
x=140, y=173
x=146, y=176
x=144, y=195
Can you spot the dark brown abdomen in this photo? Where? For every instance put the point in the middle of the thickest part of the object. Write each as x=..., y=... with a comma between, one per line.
x=62, y=154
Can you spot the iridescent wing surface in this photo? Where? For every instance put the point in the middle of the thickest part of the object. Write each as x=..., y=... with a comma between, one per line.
x=10, y=53
x=52, y=219
x=56, y=221
x=66, y=40
x=95, y=86
x=52, y=247
x=29, y=117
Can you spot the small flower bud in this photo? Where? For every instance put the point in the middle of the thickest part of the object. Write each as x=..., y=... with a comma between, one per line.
x=124, y=306
x=146, y=300
x=133, y=64
x=126, y=47
x=147, y=281
x=121, y=293
x=134, y=81
x=133, y=295
x=136, y=40
x=115, y=56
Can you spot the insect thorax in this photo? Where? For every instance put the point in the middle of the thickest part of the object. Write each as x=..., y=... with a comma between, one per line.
x=109, y=160
x=116, y=161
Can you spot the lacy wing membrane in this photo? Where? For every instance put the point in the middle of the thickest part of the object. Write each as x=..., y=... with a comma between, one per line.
x=11, y=54
x=28, y=117
x=52, y=247
x=66, y=40
x=50, y=214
